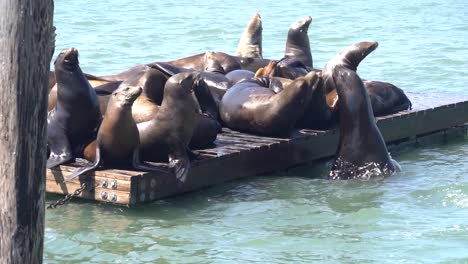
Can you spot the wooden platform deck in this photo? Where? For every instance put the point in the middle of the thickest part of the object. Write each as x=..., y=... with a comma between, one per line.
x=238, y=155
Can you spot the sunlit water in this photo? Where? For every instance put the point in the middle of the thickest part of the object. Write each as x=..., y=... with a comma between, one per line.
x=294, y=216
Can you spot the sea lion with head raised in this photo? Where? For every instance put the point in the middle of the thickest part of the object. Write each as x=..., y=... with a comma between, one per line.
x=297, y=43
x=250, y=44
x=118, y=142
x=74, y=120
x=350, y=58
x=362, y=152
x=252, y=106
x=168, y=134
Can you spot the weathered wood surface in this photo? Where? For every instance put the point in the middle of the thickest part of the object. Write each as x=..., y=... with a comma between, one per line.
x=25, y=54
x=239, y=155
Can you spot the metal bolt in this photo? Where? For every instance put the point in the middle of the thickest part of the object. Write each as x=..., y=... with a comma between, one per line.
x=114, y=185
x=104, y=184
x=114, y=197
x=104, y=195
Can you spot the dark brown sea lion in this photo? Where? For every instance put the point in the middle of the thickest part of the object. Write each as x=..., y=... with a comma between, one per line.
x=238, y=75
x=168, y=134
x=350, y=58
x=297, y=43
x=122, y=76
x=252, y=107
x=74, y=121
x=250, y=44
x=318, y=114
x=209, y=89
x=52, y=100
x=386, y=98
x=362, y=152
x=118, y=142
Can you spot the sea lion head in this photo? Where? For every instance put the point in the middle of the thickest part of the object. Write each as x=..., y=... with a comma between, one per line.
x=67, y=60
x=125, y=95
x=301, y=25
x=182, y=86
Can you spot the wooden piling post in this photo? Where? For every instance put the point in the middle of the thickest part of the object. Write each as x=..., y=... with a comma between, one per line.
x=25, y=55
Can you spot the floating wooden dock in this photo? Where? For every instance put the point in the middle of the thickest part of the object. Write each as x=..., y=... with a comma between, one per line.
x=238, y=155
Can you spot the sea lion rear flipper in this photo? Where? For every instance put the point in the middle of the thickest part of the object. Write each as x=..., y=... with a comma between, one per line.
x=82, y=170
x=181, y=165
x=137, y=164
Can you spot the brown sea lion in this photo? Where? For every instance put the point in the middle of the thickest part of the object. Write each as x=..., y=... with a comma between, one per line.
x=74, y=120
x=362, y=152
x=147, y=104
x=168, y=134
x=250, y=106
x=118, y=142
x=250, y=43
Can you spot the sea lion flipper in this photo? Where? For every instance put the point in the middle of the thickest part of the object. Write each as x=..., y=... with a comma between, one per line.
x=60, y=149
x=181, y=165
x=168, y=69
x=55, y=160
x=137, y=164
x=82, y=170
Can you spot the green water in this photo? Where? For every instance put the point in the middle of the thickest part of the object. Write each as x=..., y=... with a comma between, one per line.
x=296, y=216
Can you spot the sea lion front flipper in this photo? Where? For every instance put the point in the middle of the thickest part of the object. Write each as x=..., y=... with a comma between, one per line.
x=168, y=69
x=60, y=149
x=137, y=164
x=82, y=170
x=181, y=165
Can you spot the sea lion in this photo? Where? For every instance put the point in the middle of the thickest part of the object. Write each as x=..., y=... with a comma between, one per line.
x=198, y=62
x=168, y=134
x=350, y=58
x=239, y=75
x=386, y=98
x=297, y=43
x=147, y=104
x=318, y=114
x=74, y=121
x=209, y=89
x=252, y=107
x=122, y=76
x=362, y=152
x=250, y=43
x=290, y=68
x=52, y=99
x=118, y=141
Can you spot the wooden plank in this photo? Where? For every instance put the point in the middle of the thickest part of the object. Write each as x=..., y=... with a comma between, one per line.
x=92, y=192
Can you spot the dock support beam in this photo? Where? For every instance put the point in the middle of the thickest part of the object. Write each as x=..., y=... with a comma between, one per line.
x=26, y=44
